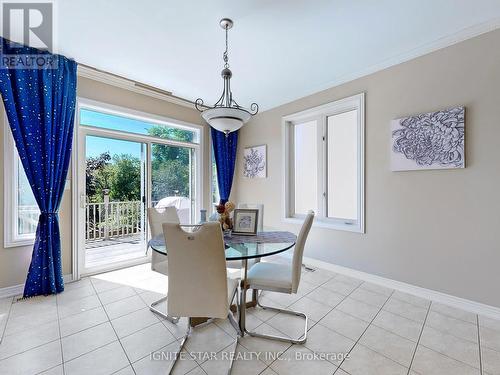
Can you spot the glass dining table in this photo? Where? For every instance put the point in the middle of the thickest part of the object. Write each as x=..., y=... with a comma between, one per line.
x=244, y=248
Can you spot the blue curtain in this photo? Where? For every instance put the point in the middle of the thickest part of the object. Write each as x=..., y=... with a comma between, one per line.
x=225, y=158
x=40, y=106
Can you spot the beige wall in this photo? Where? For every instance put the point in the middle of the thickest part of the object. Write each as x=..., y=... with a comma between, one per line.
x=14, y=262
x=435, y=229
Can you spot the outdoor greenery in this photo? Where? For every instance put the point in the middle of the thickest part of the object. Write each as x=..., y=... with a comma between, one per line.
x=121, y=173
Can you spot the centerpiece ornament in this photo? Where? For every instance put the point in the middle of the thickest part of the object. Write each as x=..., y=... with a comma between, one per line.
x=224, y=211
x=226, y=115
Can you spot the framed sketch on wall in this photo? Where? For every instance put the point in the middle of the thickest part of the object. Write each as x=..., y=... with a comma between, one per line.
x=255, y=162
x=434, y=140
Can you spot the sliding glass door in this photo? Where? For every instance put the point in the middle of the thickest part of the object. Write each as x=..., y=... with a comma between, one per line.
x=126, y=164
x=114, y=204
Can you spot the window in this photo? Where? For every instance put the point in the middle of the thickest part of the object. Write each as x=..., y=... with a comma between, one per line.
x=21, y=210
x=324, y=164
x=175, y=132
x=305, y=181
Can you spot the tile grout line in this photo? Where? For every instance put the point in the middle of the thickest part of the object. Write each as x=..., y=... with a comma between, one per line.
x=391, y=332
x=368, y=326
x=419, y=336
x=31, y=348
x=454, y=317
x=35, y=347
x=402, y=316
x=126, y=355
x=479, y=343
x=60, y=337
x=446, y=355
x=450, y=358
x=27, y=350
x=60, y=343
x=6, y=320
x=452, y=333
x=93, y=350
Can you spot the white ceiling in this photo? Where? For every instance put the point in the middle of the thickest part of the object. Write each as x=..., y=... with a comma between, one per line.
x=280, y=50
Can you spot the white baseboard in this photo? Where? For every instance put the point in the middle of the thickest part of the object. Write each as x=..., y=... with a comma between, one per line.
x=447, y=299
x=16, y=290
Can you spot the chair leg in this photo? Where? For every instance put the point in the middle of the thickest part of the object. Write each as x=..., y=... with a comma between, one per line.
x=281, y=338
x=230, y=316
x=236, y=327
x=171, y=319
x=181, y=346
x=189, y=330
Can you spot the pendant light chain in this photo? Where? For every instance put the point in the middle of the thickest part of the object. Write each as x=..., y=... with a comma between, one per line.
x=225, y=55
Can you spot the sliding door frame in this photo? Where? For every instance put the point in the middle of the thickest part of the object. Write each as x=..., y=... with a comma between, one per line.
x=78, y=178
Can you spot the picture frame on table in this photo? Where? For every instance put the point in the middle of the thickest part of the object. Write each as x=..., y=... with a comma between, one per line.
x=245, y=221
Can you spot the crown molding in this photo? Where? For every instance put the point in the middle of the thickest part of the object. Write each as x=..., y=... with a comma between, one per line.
x=425, y=49
x=131, y=85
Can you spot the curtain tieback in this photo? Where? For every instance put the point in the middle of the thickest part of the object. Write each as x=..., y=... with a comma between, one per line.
x=49, y=213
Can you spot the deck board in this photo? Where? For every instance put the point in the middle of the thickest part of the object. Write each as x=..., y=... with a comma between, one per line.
x=104, y=252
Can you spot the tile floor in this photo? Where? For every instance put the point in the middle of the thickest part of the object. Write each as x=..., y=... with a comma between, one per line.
x=102, y=325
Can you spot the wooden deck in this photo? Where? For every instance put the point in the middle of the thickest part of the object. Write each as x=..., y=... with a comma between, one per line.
x=119, y=249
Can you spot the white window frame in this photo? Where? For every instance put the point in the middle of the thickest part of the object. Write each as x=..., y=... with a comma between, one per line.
x=321, y=114
x=11, y=165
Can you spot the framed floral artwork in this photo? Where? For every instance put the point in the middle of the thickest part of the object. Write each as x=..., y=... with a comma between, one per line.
x=434, y=140
x=255, y=162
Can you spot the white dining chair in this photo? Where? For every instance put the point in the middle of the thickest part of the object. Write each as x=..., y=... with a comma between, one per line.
x=281, y=278
x=156, y=217
x=159, y=262
x=198, y=283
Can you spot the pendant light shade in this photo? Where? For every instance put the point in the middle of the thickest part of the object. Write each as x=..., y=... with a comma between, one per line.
x=226, y=115
x=226, y=119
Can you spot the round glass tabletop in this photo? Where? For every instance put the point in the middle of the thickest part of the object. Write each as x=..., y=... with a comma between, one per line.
x=244, y=247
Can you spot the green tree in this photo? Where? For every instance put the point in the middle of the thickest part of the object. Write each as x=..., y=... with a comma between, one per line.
x=170, y=179
x=97, y=176
x=170, y=164
x=173, y=134
x=125, y=178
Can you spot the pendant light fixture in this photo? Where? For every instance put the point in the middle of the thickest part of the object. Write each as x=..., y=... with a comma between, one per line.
x=226, y=115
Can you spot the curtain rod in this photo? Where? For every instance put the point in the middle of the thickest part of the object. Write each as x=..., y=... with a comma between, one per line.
x=138, y=84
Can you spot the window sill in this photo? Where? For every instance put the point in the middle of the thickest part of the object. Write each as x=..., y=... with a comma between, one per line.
x=19, y=242
x=317, y=223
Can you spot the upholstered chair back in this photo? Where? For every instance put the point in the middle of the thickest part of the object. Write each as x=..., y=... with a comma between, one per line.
x=298, y=253
x=158, y=216
x=197, y=279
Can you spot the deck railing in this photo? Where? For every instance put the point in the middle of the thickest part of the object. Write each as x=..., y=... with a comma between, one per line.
x=113, y=219
x=103, y=220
